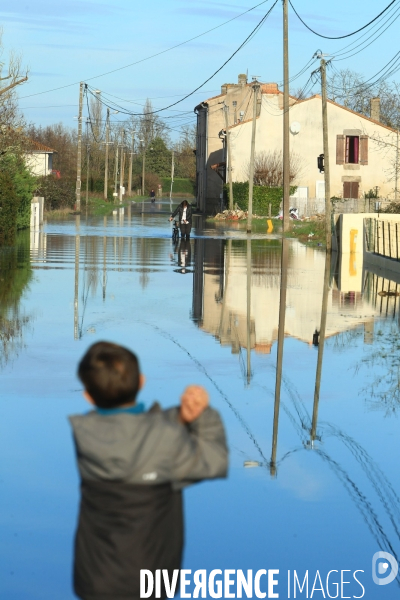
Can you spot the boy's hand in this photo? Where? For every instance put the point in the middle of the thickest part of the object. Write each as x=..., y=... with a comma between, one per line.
x=194, y=401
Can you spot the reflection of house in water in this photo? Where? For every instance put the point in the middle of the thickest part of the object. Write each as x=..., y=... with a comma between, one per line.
x=220, y=293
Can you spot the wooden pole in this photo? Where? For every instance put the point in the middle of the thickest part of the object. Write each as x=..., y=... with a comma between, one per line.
x=286, y=142
x=328, y=226
x=79, y=156
x=228, y=156
x=256, y=87
x=106, y=159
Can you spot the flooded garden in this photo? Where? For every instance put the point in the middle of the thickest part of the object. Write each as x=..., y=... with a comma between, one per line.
x=311, y=413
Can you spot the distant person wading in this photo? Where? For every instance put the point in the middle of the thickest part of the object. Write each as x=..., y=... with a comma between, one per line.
x=185, y=218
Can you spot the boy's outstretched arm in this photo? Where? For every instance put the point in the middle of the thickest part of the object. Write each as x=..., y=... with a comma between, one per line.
x=199, y=449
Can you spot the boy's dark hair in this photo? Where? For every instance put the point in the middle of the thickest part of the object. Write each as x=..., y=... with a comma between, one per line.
x=110, y=374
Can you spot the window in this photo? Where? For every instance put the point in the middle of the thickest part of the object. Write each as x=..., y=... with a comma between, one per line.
x=352, y=149
x=350, y=189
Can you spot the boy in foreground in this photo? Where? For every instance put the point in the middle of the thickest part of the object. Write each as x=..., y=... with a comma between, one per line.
x=133, y=465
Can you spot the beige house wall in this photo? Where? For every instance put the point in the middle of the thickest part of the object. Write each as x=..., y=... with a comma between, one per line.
x=307, y=145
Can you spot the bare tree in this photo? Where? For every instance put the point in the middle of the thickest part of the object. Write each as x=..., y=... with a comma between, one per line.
x=268, y=168
x=11, y=121
x=349, y=89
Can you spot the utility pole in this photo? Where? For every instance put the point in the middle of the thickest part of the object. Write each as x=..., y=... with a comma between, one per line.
x=106, y=160
x=131, y=165
x=121, y=167
x=87, y=172
x=228, y=156
x=143, y=169
x=396, y=189
x=256, y=87
x=79, y=158
x=172, y=179
x=286, y=144
x=328, y=227
x=116, y=172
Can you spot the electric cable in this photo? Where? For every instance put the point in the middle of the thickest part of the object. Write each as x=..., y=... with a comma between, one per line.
x=252, y=34
x=152, y=56
x=340, y=37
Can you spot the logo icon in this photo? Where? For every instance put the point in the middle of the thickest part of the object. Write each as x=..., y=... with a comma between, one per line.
x=381, y=561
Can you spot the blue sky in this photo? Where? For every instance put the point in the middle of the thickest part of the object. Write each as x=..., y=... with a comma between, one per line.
x=81, y=39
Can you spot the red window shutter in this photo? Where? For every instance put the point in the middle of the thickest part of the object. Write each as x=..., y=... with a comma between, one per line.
x=363, y=149
x=340, y=149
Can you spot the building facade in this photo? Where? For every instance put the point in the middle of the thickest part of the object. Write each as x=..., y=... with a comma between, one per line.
x=363, y=152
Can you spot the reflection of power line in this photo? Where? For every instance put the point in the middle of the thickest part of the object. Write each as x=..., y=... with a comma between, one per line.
x=362, y=504
x=201, y=368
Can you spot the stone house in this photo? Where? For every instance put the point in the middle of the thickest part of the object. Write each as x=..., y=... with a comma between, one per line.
x=362, y=150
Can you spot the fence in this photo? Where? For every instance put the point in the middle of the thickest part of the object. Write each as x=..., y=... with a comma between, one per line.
x=383, y=237
x=312, y=206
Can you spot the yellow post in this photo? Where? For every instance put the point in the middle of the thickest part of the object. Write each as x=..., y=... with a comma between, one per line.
x=270, y=226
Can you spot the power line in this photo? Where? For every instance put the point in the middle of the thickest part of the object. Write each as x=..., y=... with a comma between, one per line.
x=152, y=55
x=340, y=37
x=252, y=34
x=345, y=54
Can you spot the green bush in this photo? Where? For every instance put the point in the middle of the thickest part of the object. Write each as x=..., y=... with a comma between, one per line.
x=57, y=193
x=9, y=204
x=181, y=185
x=263, y=196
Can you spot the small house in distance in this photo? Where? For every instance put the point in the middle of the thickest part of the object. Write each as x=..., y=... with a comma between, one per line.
x=39, y=158
x=362, y=149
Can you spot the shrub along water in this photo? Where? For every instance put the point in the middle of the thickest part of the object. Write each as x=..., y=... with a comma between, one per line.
x=263, y=196
x=16, y=190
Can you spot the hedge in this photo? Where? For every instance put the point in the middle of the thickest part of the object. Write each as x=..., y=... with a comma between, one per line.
x=181, y=185
x=9, y=203
x=263, y=196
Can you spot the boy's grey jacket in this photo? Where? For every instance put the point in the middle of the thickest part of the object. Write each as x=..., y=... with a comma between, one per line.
x=132, y=468
x=151, y=447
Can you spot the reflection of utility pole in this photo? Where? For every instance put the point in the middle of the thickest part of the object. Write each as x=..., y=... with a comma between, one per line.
x=256, y=87
x=79, y=155
x=228, y=157
x=172, y=179
x=248, y=281
x=328, y=227
x=279, y=357
x=227, y=267
x=106, y=159
x=76, y=287
x=104, y=261
x=286, y=143
x=324, y=308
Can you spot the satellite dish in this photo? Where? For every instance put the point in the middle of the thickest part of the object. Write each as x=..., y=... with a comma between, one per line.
x=295, y=127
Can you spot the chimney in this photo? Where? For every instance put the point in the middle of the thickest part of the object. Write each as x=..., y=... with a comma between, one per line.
x=376, y=109
x=242, y=79
x=224, y=88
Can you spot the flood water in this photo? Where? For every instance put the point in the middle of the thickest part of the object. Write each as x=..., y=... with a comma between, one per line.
x=317, y=488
